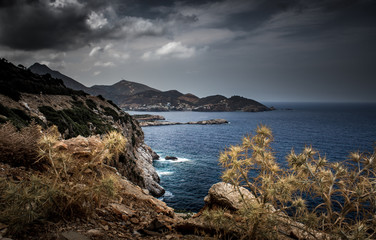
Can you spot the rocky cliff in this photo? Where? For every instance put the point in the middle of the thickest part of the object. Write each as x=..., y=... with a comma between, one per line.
x=26, y=97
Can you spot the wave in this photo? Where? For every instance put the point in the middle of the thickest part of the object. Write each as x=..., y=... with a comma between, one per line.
x=167, y=195
x=164, y=173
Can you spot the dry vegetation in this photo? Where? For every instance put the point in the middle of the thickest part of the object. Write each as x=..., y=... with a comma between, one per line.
x=322, y=199
x=70, y=184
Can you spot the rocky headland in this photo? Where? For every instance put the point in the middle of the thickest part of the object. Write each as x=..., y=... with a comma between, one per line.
x=26, y=97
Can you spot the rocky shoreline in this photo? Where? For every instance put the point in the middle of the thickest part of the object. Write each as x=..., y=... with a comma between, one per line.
x=147, y=120
x=166, y=123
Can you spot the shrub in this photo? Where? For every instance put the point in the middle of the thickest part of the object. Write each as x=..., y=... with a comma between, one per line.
x=114, y=105
x=111, y=112
x=76, y=121
x=19, y=148
x=91, y=104
x=344, y=192
x=18, y=117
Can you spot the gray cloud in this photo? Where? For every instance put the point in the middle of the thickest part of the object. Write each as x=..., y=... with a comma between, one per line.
x=286, y=49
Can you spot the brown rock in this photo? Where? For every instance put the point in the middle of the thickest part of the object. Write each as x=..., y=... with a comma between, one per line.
x=121, y=209
x=134, y=220
x=225, y=195
x=71, y=235
x=94, y=232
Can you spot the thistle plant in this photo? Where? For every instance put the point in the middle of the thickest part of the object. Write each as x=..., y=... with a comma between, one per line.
x=72, y=184
x=345, y=192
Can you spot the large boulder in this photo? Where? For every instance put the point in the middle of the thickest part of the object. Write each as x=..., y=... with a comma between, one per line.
x=225, y=195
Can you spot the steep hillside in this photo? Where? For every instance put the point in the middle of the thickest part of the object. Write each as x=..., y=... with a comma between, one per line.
x=26, y=96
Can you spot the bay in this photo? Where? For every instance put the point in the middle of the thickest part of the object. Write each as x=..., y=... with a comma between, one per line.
x=334, y=130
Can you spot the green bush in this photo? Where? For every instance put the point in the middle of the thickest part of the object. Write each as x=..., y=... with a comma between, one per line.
x=111, y=112
x=75, y=120
x=18, y=117
x=91, y=104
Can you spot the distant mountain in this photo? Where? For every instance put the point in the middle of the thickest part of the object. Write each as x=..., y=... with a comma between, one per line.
x=120, y=90
x=135, y=96
x=116, y=92
x=42, y=69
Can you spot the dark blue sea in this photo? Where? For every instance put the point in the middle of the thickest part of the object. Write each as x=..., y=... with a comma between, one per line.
x=333, y=129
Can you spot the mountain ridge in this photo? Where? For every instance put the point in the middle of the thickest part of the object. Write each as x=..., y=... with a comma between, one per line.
x=140, y=97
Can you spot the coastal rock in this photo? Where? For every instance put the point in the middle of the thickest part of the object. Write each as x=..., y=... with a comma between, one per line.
x=147, y=117
x=137, y=167
x=148, y=175
x=158, y=123
x=165, y=123
x=225, y=195
x=210, y=122
x=171, y=158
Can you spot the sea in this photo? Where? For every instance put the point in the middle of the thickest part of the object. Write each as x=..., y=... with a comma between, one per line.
x=334, y=130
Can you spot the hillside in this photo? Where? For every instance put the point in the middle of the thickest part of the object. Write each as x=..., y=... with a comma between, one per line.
x=135, y=96
x=27, y=97
x=42, y=69
x=120, y=90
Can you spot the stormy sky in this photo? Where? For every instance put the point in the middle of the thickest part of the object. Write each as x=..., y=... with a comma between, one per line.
x=280, y=50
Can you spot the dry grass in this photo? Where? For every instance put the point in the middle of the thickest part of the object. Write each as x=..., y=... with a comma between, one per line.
x=71, y=186
x=19, y=148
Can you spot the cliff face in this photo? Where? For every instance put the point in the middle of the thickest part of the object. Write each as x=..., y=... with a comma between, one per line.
x=26, y=97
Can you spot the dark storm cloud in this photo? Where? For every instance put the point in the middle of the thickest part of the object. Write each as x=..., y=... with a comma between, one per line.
x=33, y=25
x=65, y=24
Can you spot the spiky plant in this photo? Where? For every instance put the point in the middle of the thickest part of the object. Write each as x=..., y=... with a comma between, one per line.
x=71, y=185
x=345, y=192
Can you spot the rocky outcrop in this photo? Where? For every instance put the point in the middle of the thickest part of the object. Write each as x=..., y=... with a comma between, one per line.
x=209, y=122
x=225, y=195
x=149, y=176
x=147, y=117
x=26, y=97
x=166, y=123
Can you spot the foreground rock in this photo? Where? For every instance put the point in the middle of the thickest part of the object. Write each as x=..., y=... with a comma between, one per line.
x=225, y=197
x=165, y=123
x=140, y=171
